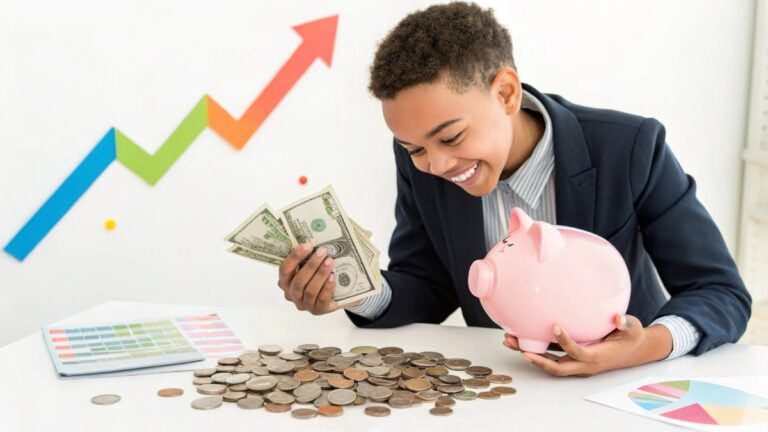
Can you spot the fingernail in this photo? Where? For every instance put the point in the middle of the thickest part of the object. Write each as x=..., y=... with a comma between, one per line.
x=328, y=261
x=556, y=330
x=330, y=277
x=306, y=247
x=321, y=252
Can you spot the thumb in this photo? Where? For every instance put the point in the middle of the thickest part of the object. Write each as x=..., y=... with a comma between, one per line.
x=627, y=323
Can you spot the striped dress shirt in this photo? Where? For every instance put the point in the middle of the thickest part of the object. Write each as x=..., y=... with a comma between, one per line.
x=532, y=188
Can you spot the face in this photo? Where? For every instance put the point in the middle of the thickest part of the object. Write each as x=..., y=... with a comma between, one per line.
x=464, y=137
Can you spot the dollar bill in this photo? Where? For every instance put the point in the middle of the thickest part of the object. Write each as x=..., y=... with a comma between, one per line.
x=262, y=232
x=242, y=251
x=321, y=220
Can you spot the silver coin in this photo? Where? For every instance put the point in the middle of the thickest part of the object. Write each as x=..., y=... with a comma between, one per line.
x=281, y=398
x=291, y=356
x=212, y=389
x=332, y=350
x=288, y=383
x=251, y=402
x=260, y=370
x=221, y=377
x=224, y=368
x=341, y=397
x=201, y=380
x=229, y=361
x=319, y=355
x=457, y=364
x=322, y=366
x=363, y=350
x=305, y=348
x=207, y=403
x=280, y=367
x=379, y=370
x=238, y=387
x=233, y=396
x=249, y=357
x=429, y=395
x=370, y=360
x=322, y=400
x=261, y=383
x=105, y=399
x=270, y=350
x=306, y=393
x=204, y=372
x=363, y=388
x=242, y=369
x=400, y=402
x=238, y=378
x=394, y=359
x=433, y=356
x=379, y=394
x=466, y=395
x=339, y=361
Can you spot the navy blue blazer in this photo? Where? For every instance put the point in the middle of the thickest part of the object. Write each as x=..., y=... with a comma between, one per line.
x=615, y=176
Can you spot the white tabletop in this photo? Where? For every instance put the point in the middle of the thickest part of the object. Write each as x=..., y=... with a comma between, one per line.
x=32, y=398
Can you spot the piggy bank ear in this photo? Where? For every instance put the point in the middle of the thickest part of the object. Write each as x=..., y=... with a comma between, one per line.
x=547, y=240
x=519, y=220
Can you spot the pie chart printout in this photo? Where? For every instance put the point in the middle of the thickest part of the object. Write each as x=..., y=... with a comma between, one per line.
x=701, y=402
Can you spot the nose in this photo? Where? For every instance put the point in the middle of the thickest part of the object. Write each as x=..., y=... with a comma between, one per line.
x=440, y=162
x=482, y=279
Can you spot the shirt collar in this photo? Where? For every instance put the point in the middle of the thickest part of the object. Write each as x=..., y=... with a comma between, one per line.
x=529, y=180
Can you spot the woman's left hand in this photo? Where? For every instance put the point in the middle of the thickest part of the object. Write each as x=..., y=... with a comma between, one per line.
x=629, y=345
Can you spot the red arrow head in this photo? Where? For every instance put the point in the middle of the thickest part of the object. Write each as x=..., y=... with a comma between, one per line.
x=319, y=37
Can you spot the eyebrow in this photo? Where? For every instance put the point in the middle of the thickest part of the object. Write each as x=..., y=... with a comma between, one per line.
x=434, y=131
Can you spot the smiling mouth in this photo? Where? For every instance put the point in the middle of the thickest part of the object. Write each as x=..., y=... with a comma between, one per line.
x=466, y=175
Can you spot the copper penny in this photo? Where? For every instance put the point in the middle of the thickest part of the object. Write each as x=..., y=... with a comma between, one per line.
x=445, y=401
x=499, y=379
x=488, y=395
x=356, y=374
x=476, y=383
x=306, y=375
x=304, y=413
x=341, y=383
x=478, y=371
x=504, y=390
x=170, y=392
x=441, y=411
x=330, y=411
x=277, y=408
x=377, y=411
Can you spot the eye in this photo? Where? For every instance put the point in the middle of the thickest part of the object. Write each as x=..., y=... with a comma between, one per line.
x=451, y=139
x=505, y=240
x=416, y=152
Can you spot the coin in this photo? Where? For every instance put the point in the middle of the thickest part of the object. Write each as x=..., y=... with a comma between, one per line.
x=212, y=389
x=224, y=368
x=418, y=384
x=445, y=401
x=441, y=411
x=429, y=395
x=379, y=394
x=504, y=390
x=305, y=348
x=304, y=413
x=170, y=392
x=233, y=396
x=341, y=383
x=400, y=402
x=306, y=393
x=341, y=397
x=478, y=371
x=291, y=356
x=450, y=379
x=204, y=372
x=436, y=371
x=488, y=395
x=281, y=398
x=476, y=383
x=450, y=389
x=251, y=402
x=356, y=374
x=105, y=399
x=261, y=383
x=207, y=403
x=229, y=361
x=330, y=411
x=271, y=350
x=390, y=350
x=201, y=380
x=280, y=367
x=457, y=364
x=466, y=395
x=277, y=408
x=238, y=378
x=362, y=350
x=499, y=379
x=377, y=411
x=221, y=377
x=306, y=375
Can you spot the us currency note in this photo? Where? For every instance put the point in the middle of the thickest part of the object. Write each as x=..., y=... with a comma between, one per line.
x=262, y=232
x=320, y=219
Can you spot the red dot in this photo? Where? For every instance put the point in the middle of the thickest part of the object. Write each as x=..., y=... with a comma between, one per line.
x=303, y=180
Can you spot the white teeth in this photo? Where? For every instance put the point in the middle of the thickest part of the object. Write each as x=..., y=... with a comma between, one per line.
x=464, y=176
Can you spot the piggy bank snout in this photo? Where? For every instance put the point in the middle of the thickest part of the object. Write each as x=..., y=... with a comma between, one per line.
x=481, y=279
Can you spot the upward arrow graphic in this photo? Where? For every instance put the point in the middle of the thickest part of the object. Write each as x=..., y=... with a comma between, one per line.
x=318, y=42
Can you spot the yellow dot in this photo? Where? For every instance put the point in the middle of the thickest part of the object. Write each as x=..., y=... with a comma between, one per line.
x=110, y=224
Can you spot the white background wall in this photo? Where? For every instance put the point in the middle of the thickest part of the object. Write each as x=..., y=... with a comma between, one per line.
x=70, y=70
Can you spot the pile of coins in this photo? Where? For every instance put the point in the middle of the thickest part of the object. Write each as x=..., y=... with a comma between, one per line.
x=321, y=381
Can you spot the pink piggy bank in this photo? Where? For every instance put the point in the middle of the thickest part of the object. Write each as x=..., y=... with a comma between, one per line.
x=541, y=275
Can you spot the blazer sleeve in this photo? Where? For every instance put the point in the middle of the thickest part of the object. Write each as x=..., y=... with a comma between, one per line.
x=685, y=245
x=421, y=286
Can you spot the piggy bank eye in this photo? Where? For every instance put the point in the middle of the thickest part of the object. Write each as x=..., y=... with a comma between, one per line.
x=510, y=244
x=505, y=240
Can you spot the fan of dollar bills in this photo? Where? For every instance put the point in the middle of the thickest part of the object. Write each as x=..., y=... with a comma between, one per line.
x=320, y=219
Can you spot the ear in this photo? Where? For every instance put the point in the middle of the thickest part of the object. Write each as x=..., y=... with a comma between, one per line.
x=519, y=220
x=547, y=240
x=507, y=88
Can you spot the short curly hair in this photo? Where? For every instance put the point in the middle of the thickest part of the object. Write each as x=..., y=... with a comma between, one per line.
x=459, y=40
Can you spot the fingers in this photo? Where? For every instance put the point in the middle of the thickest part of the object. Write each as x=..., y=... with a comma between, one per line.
x=562, y=366
x=511, y=342
x=573, y=349
x=304, y=275
x=290, y=263
x=324, y=302
x=313, y=287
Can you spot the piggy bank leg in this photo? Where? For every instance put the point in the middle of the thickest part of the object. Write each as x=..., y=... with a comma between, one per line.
x=534, y=346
